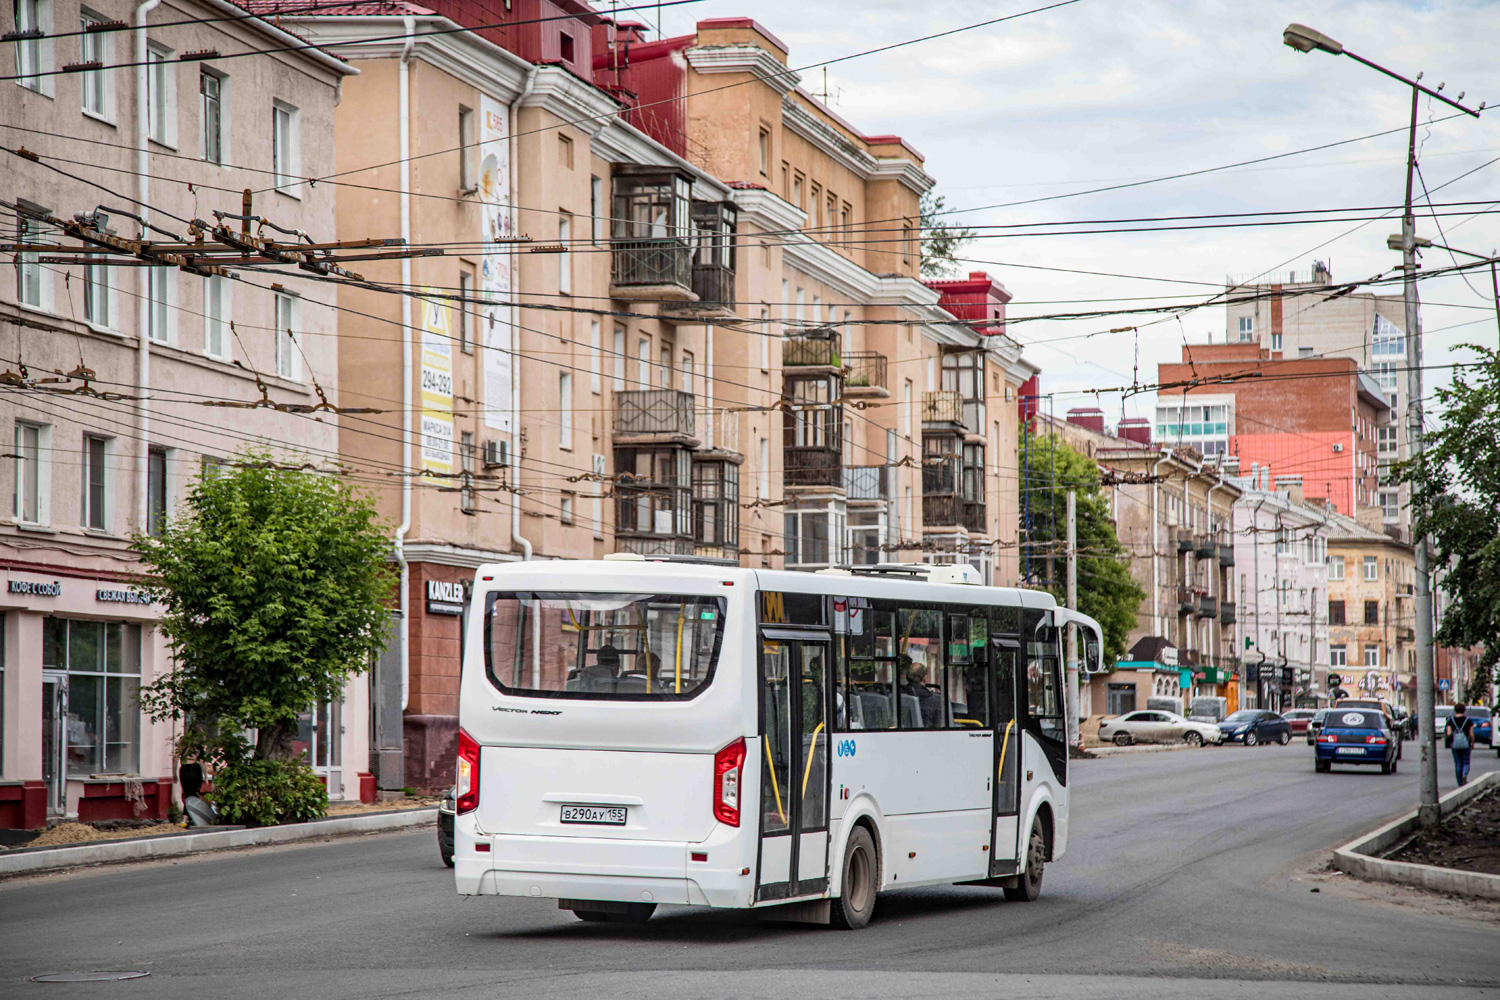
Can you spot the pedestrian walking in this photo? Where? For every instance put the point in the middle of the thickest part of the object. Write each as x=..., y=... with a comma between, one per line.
x=1459, y=738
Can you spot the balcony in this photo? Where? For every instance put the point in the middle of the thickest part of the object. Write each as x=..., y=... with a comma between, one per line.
x=1405, y=633
x=1204, y=547
x=1405, y=590
x=812, y=466
x=658, y=268
x=1208, y=607
x=817, y=349
x=1226, y=556
x=949, y=510
x=864, y=374
x=721, y=430
x=1187, y=601
x=947, y=408
x=868, y=482
x=1226, y=613
x=652, y=416
x=1184, y=542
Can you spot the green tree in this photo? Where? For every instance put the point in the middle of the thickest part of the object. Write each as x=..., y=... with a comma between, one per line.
x=274, y=583
x=1456, y=500
x=1106, y=590
x=940, y=242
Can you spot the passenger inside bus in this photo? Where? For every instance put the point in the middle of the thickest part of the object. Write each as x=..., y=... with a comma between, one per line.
x=602, y=675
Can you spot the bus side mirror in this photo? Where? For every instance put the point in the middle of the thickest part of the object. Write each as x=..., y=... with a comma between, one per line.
x=1093, y=663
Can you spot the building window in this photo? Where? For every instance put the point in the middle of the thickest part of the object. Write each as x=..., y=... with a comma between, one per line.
x=1336, y=612
x=161, y=95
x=1336, y=569
x=285, y=153
x=30, y=17
x=687, y=371
x=30, y=278
x=158, y=284
x=102, y=730
x=716, y=509
x=906, y=243
x=94, y=47
x=595, y=346
x=1247, y=328
x=906, y=409
x=466, y=310
x=1338, y=656
x=763, y=474
x=643, y=363
x=468, y=498
x=597, y=518
x=1372, y=612
x=32, y=461
x=468, y=151
x=766, y=333
x=1370, y=568
x=1390, y=506
x=96, y=294
x=1372, y=656
x=619, y=352
x=565, y=510
x=211, y=92
x=565, y=259
x=95, y=485
x=665, y=375
x=565, y=152
x=565, y=49
x=763, y=149
x=596, y=209
x=565, y=411
x=216, y=317
x=797, y=190
x=286, y=342
x=156, y=492
x=1275, y=341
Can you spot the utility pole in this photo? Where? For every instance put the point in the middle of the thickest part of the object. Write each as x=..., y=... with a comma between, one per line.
x=1305, y=39
x=1072, y=600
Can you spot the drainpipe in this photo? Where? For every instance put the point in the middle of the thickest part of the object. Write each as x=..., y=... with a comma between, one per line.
x=409, y=24
x=515, y=368
x=1215, y=584
x=1255, y=574
x=1166, y=456
x=143, y=302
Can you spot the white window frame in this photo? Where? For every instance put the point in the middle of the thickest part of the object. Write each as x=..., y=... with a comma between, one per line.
x=664, y=373
x=595, y=345
x=643, y=363
x=620, y=359
x=565, y=259
x=161, y=102
x=1338, y=655
x=215, y=285
x=565, y=411
x=1336, y=569
x=29, y=229
x=1369, y=660
x=88, y=514
x=286, y=148
x=96, y=83
x=597, y=518
x=288, y=357
x=565, y=510
x=161, y=303
x=34, y=56
x=222, y=130
x=766, y=333
x=100, y=298
x=465, y=306
x=1370, y=569
x=763, y=478
x=468, y=152
x=43, y=462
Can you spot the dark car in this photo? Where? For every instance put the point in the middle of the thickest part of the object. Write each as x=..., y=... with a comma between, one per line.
x=447, y=809
x=1315, y=725
x=1251, y=726
x=1357, y=736
x=1299, y=719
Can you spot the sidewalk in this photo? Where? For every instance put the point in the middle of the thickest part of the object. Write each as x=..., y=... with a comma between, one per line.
x=37, y=859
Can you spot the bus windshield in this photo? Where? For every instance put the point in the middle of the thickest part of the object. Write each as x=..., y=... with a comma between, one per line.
x=634, y=647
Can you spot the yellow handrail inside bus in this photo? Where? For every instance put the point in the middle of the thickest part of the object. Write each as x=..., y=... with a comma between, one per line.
x=771, y=766
x=679, y=649
x=807, y=771
x=1004, y=746
x=646, y=644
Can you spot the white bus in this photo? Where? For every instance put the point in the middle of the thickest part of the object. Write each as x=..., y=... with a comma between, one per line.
x=635, y=733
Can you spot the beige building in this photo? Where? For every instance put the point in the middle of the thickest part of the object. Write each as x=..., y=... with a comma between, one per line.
x=111, y=364
x=1371, y=617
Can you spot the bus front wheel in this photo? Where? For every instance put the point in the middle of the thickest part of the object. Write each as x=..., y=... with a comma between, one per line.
x=1029, y=885
x=856, y=901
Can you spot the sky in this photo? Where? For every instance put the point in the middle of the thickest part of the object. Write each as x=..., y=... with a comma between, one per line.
x=1102, y=92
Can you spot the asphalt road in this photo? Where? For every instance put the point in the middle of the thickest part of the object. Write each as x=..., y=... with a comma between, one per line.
x=1183, y=879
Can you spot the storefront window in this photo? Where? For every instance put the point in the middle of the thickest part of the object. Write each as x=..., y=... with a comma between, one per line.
x=102, y=726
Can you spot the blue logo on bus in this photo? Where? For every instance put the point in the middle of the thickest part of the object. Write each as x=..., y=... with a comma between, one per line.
x=845, y=748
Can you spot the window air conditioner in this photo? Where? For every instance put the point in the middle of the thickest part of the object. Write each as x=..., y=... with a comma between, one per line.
x=1338, y=446
x=496, y=454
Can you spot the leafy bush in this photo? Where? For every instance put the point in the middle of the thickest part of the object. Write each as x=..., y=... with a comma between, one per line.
x=265, y=792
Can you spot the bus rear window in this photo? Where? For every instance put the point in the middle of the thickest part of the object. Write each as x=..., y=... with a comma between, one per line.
x=631, y=647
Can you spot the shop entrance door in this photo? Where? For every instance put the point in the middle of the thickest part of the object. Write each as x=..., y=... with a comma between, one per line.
x=54, y=711
x=320, y=736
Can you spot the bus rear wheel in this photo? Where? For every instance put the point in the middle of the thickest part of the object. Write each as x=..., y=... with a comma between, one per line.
x=1029, y=884
x=856, y=901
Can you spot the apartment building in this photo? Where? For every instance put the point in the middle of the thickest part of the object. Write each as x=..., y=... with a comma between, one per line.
x=185, y=133
x=1371, y=613
x=1174, y=513
x=1325, y=420
x=1281, y=585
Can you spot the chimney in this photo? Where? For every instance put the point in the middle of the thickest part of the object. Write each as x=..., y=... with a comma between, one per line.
x=1136, y=429
x=1320, y=274
x=1291, y=486
x=1089, y=417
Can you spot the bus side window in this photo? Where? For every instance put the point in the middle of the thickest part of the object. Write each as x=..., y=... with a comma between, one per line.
x=967, y=668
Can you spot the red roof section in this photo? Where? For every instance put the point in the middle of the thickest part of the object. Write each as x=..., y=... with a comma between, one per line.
x=978, y=299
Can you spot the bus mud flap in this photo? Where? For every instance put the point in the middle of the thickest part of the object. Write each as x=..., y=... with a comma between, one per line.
x=812, y=911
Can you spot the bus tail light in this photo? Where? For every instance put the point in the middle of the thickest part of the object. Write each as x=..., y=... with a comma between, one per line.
x=467, y=796
x=729, y=767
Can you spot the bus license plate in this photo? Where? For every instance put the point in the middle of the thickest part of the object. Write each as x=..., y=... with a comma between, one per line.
x=604, y=815
x=1350, y=750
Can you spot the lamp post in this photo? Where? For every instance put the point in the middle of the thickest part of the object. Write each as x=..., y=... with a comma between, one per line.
x=1305, y=39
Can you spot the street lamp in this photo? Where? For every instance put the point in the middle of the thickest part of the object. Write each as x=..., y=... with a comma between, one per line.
x=1305, y=39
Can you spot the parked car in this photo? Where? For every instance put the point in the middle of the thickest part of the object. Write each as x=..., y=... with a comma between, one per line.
x=447, y=810
x=1391, y=722
x=1441, y=715
x=1484, y=728
x=1299, y=718
x=1251, y=726
x=1315, y=724
x=1357, y=736
x=1158, y=727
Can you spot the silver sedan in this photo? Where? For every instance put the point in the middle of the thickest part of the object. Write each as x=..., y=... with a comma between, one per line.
x=1158, y=727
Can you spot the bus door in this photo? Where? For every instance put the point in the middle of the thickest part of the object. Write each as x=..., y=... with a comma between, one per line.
x=1005, y=652
x=794, y=724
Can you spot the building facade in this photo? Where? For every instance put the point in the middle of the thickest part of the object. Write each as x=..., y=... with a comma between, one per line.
x=1371, y=616
x=112, y=365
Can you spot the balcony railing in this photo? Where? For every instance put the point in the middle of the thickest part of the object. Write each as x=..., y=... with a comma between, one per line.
x=944, y=406
x=867, y=482
x=1226, y=555
x=1405, y=633
x=864, y=372
x=810, y=352
x=1187, y=601
x=812, y=466
x=714, y=286
x=649, y=413
x=663, y=261
x=1208, y=607
x=1204, y=547
x=944, y=510
x=1226, y=613
x=1184, y=541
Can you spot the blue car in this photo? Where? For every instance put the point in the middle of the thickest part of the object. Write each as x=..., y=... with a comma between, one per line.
x=1484, y=725
x=1256, y=726
x=1356, y=736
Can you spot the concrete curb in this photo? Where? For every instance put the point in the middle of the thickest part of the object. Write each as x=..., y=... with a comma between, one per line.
x=174, y=844
x=1358, y=857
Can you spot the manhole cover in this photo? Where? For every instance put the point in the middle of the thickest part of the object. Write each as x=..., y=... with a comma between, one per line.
x=88, y=977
